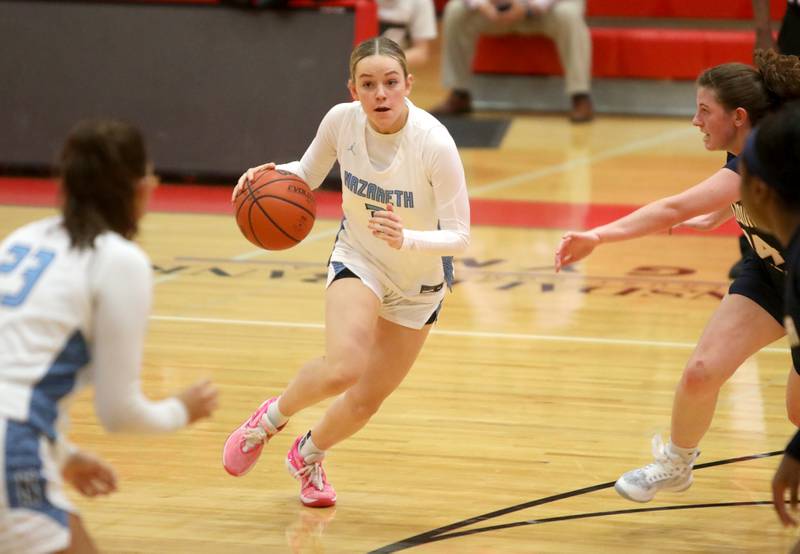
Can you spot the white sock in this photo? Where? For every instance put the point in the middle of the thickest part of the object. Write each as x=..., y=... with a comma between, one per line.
x=309, y=449
x=274, y=414
x=687, y=454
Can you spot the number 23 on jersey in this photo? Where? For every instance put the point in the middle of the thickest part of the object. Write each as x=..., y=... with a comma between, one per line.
x=20, y=269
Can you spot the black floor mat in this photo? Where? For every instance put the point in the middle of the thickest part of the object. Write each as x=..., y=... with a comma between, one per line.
x=476, y=133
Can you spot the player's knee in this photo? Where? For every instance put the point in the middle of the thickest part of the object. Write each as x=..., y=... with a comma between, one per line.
x=699, y=378
x=362, y=407
x=793, y=412
x=343, y=374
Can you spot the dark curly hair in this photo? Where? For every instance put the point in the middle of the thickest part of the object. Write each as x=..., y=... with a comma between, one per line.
x=777, y=146
x=100, y=165
x=762, y=89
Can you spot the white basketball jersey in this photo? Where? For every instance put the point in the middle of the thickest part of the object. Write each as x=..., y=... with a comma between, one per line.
x=47, y=292
x=405, y=184
x=424, y=147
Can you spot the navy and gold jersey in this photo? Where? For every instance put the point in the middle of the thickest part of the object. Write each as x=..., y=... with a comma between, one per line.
x=791, y=297
x=765, y=245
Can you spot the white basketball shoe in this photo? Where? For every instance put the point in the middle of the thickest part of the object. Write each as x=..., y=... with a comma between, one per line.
x=670, y=471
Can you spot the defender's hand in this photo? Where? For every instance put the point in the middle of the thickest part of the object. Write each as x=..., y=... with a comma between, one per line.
x=575, y=246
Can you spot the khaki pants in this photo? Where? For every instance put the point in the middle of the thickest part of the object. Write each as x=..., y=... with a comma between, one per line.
x=564, y=23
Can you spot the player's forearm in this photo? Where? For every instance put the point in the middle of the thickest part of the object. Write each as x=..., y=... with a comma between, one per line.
x=320, y=155
x=710, y=221
x=312, y=171
x=131, y=412
x=652, y=218
x=440, y=242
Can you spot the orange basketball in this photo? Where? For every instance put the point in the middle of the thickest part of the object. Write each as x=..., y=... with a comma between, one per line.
x=276, y=211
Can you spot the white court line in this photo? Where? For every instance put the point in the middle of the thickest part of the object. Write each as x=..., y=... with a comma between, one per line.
x=634, y=146
x=454, y=333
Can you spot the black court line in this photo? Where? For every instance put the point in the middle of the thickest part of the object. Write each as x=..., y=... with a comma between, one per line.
x=442, y=533
x=591, y=514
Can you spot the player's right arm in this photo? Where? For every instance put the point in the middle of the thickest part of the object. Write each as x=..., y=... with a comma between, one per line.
x=320, y=155
x=709, y=221
x=712, y=194
x=122, y=284
x=318, y=159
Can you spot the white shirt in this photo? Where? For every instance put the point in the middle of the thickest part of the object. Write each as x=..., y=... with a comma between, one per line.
x=70, y=317
x=424, y=181
x=415, y=19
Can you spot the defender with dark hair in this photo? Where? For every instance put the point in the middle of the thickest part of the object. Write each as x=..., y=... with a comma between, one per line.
x=770, y=168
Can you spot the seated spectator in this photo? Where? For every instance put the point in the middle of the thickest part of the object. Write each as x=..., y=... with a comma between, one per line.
x=789, y=34
x=561, y=20
x=411, y=24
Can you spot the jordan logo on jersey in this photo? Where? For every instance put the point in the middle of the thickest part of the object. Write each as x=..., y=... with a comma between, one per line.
x=791, y=331
x=352, y=149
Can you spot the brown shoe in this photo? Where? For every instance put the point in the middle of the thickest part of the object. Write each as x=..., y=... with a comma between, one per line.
x=458, y=102
x=582, y=110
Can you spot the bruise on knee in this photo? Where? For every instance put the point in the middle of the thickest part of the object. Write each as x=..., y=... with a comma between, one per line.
x=699, y=378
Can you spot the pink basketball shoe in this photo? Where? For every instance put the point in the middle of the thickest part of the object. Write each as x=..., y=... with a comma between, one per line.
x=244, y=445
x=315, y=491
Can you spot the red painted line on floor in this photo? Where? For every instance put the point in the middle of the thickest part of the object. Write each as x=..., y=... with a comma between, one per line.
x=22, y=191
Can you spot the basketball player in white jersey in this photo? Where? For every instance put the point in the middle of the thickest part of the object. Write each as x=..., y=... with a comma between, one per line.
x=406, y=211
x=731, y=99
x=74, y=299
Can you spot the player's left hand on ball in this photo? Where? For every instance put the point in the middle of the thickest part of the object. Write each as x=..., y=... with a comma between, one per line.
x=249, y=176
x=387, y=226
x=90, y=475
